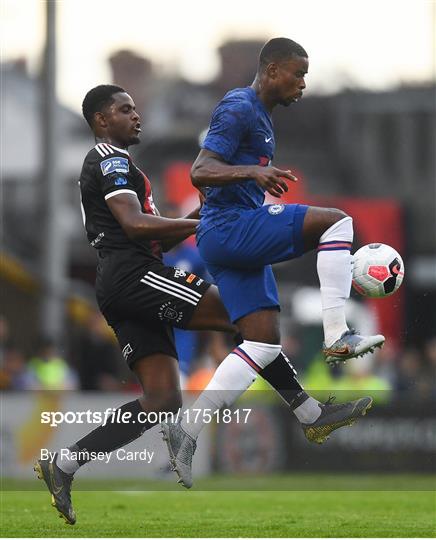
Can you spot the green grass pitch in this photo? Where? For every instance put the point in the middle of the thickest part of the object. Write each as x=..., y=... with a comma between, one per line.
x=406, y=510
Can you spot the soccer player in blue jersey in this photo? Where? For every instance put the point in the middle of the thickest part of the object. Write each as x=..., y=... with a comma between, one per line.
x=239, y=239
x=144, y=300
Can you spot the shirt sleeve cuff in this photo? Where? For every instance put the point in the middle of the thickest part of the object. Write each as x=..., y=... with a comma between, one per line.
x=209, y=146
x=118, y=192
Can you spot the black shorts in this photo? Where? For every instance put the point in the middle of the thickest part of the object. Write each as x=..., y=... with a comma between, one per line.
x=144, y=314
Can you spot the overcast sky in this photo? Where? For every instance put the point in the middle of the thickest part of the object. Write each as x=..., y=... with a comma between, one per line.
x=371, y=43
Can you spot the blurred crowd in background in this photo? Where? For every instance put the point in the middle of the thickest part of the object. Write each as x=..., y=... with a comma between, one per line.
x=94, y=363
x=370, y=153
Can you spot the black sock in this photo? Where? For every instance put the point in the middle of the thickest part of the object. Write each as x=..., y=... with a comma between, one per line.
x=281, y=375
x=113, y=435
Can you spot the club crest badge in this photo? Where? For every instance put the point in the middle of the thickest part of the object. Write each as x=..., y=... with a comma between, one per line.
x=275, y=209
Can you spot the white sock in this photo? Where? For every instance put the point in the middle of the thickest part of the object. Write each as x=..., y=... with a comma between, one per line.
x=309, y=411
x=236, y=373
x=334, y=265
x=66, y=463
x=334, y=324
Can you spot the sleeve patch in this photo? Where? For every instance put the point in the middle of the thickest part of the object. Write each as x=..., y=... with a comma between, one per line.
x=114, y=164
x=121, y=181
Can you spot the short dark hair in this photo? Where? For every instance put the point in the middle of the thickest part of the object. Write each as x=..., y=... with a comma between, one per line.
x=278, y=50
x=97, y=98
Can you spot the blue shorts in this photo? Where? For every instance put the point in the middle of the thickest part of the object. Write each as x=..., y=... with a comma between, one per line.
x=239, y=252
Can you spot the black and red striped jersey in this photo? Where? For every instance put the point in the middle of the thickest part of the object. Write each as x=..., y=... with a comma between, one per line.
x=107, y=172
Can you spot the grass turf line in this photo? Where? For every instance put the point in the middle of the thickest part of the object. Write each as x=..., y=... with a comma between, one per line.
x=224, y=514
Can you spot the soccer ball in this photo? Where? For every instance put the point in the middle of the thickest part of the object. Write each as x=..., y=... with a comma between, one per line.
x=378, y=270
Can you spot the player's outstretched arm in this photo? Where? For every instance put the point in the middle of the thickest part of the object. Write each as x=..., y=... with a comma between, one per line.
x=126, y=209
x=209, y=169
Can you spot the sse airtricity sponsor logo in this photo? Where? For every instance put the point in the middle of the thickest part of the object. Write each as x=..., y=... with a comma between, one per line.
x=115, y=164
x=275, y=209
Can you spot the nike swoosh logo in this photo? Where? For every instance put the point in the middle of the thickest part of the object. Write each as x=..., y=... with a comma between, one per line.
x=268, y=140
x=342, y=350
x=56, y=489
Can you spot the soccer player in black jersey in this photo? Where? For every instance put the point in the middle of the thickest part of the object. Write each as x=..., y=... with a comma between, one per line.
x=142, y=299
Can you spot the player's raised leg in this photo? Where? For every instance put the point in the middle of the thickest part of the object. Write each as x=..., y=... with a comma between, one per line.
x=258, y=354
x=330, y=231
x=260, y=329
x=258, y=326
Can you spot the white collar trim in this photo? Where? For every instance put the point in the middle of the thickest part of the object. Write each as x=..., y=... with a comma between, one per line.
x=119, y=149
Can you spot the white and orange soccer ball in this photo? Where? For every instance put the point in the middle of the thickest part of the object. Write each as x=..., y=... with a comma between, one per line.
x=378, y=270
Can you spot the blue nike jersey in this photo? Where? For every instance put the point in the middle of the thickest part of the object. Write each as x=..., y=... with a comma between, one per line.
x=241, y=132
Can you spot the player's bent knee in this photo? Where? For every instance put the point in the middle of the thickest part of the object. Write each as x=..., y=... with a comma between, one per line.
x=334, y=221
x=330, y=216
x=340, y=231
x=261, y=354
x=337, y=214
